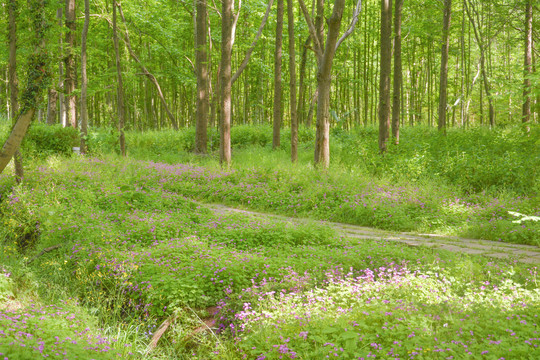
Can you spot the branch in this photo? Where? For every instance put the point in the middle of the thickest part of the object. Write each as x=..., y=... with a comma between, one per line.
x=146, y=72
x=354, y=20
x=312, y=31
x=46, y=250
x=250, y=51
x=235, y=21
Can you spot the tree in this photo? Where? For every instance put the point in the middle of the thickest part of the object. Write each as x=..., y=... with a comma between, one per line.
x=472, y=14
x=84, y=78
x=147, y=73
x=292, y=84
x=120, y=85
x=13, y=80
x=228, y=30
x=325, y=56
x=443, y=84
x=386, y=65
x=398, y=76
x=278, y=113
x=70, y=101
x=225, y=81
x=526, y=113
x=201, y=65
x=37, y=80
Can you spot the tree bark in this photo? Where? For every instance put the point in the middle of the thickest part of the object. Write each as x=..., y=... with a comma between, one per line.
x=443, y=83
x=278, y=113
x=398, y=76
x=70, y=101
x=13, y=80
x=120, y=86
x=385, y=65
x=226, y=84
x=201, y=64
x=292, y=82
x=84, y=78
x=527, y=69
x=37, y=78
x=324, y=83
x=301, y=113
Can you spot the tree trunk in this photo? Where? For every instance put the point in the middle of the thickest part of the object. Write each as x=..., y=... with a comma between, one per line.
x=51, y=106
x=226, y=84
x=301, y=112
x=70, y=101
x=84, y=78
x=443, y=84
x=471, y=13
x=526, y=113
x=292, y=82
x=36, y=81
x=386, y=66
x=201, y=64
x=120, y=86
x=324, y=83
x=278, y=113
x=13, y=80
x=398, y=76
x=148, y=74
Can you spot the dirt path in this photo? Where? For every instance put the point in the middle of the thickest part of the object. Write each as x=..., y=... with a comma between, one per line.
x=523, y=253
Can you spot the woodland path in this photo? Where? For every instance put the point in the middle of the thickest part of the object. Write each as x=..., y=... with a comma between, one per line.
x=523, y=253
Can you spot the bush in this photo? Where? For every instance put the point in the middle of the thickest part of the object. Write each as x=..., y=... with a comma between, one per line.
x=43, y=140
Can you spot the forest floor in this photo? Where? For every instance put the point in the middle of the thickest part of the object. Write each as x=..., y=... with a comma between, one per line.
x=523, y=253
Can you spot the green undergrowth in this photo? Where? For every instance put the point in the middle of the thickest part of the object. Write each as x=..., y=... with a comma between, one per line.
x=113, y=248
x=106, y=250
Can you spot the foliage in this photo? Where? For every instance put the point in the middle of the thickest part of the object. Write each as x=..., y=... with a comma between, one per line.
x=44, y=140
x=136, y=250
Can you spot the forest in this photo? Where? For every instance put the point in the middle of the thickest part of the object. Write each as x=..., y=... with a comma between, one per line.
x=269, y=179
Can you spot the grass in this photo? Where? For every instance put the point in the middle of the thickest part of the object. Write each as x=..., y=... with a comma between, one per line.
x=136, y=250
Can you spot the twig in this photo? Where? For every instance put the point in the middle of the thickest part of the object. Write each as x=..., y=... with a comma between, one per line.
x=46, y=250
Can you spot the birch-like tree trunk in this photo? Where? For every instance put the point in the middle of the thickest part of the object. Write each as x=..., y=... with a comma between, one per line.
x=84, y=78
x=201, y=65
x=526, y=112
x=398, y=76
x=386, y=66
x=278, y=113
x=292, y=82
x=443, y=83
x=120, y=85
x=70, y=101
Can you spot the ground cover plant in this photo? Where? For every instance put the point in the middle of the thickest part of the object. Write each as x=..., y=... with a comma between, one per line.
x=136, y=250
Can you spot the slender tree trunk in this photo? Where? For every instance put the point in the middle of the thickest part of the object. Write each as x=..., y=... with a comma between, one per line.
x=324, y=83
x=84, y=78
x=472, y=14
x=37, y=78
x=201, y=64
x=148, y=74
x=226, y=83
x=55, y=92
x=13, y=80
x=398, y=76
x=70, y=101
x=526, y=113
x=120, y=86
x=443, y=84
x=386, y=67
x=278, y=113
x=292, y=82
x=301, y=113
